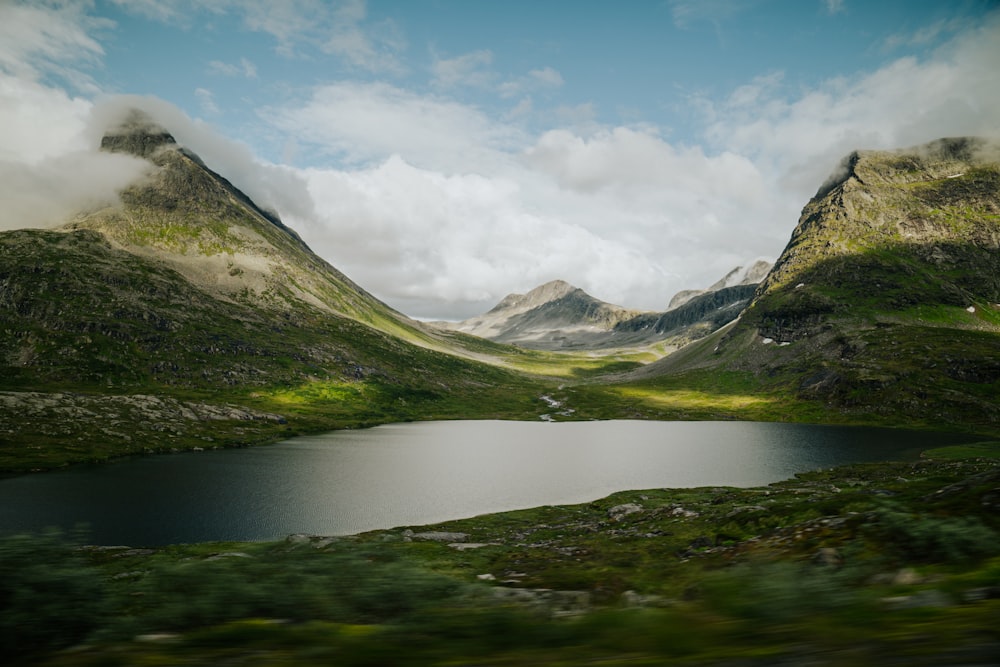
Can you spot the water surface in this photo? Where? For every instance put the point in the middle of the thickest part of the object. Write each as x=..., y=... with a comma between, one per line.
x=409, y=474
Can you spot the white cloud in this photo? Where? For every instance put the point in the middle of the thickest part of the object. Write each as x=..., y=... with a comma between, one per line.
x=545, y=78
x=687, y=12
x=419, y=237
x=244, y=68
x=469, y=69
x=927, y=34
x=374, y=48
x=443, y=211
x=361, y=123
x=158, y=10
x=834, y=6
x=339, y=28
x=475, y=70
x=49, y=166
x=38, y=122
x=207, y=101
x=51, y=192
x=50, y=38
x=907, y=102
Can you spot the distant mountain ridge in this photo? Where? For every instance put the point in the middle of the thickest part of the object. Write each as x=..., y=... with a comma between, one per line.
x=558, y=315
x=550, y=311
x=751, y=274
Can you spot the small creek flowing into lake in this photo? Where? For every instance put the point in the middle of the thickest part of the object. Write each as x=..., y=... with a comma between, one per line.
x=409, y=474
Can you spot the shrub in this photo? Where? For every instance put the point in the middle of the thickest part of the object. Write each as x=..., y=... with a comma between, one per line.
x=932, y=539
x=49, y=597
x=777, y=592
x=344, y=588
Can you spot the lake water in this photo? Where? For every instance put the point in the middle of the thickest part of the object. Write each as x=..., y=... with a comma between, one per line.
x=409, y=474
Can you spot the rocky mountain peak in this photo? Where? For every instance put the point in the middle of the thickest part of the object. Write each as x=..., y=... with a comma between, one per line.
x=138, y=134
x=743, y=275
x=550, y=291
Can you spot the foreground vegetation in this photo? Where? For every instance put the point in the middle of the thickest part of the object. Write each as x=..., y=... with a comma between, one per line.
x=893, y=563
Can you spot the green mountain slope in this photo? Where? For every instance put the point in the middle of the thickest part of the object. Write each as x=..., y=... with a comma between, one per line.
x=885, y=301
x=195, y=221
x=188, y=291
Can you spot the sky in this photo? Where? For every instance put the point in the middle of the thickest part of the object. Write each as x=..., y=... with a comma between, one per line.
x=446, y=153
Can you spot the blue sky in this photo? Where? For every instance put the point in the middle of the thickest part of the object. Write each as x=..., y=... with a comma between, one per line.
x=444, y=153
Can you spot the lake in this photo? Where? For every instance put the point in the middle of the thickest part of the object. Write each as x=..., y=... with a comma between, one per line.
x=416, y=473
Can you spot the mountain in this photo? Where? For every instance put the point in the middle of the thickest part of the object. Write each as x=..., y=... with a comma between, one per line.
x=741, y=275
x=552, y=315
x=694, y=319
x=193, y=220
x=886, y=299
x=187, y=314
x=559, y=316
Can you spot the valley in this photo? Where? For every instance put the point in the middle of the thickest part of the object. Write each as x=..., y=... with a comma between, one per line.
x=185, y=317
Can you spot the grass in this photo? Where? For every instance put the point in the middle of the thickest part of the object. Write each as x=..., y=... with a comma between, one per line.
x=985, y=450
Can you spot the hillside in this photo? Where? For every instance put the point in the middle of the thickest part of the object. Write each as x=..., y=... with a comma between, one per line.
x=885, y=301
x=187, y=315
x=193, y=220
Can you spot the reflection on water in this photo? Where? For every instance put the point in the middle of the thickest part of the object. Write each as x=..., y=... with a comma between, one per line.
x=407, y=474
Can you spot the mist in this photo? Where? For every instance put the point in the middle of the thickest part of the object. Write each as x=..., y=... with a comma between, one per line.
x=43, y=184
x=272, y=187
x=51, y=192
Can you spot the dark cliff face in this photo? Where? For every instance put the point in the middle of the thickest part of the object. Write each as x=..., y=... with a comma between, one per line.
x=137, y=135
x=714, y=309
